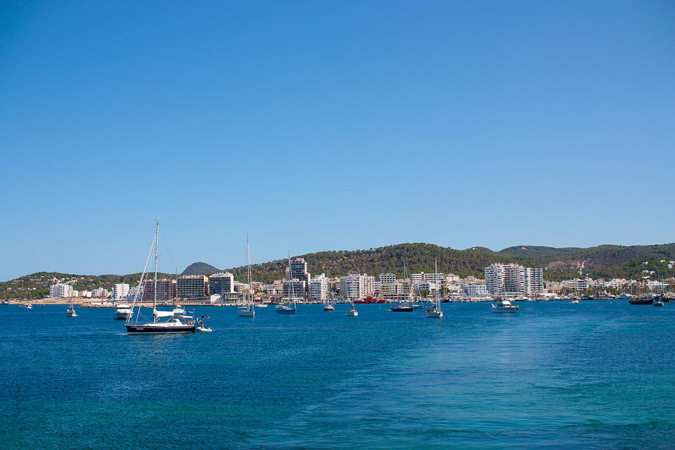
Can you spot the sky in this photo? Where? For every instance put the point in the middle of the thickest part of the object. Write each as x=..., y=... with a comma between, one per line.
x=329, y=125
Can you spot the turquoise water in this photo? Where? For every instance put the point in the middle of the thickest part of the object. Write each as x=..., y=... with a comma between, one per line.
x=598, y=374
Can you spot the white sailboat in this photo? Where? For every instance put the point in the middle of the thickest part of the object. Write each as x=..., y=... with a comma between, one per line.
x=352, y=311
x=290, y=304
x=172, y=324
x=248, y=310
x=328, y=306
x=434, y=311
x=70, y=312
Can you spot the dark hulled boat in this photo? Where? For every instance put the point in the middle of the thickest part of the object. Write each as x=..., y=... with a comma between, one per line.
x=641, y=300
x=401, y=308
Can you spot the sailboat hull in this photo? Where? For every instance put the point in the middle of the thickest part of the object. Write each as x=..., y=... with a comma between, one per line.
x=285, y=310
x=159, y=328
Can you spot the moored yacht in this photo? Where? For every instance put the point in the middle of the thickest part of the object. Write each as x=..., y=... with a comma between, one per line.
x=352, y=311
x=504, y=306
x=434, y=311
x=122, y=311
x=247, y=310
x=172, y=323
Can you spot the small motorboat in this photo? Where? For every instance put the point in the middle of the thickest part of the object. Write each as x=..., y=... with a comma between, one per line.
x=504, y=306
x=329, y=307
x=352, y=312
x=26, y=306
x=203, y=329
x=658, y=303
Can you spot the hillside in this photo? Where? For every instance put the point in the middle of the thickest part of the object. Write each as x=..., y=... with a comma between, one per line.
x=199, y=268
x=604, y=261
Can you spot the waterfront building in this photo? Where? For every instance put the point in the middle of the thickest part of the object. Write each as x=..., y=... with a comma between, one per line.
x=534, y=280
x=100, y=293
x=120, y=291
x=298, y=271
x=475, y=290
x=221, y=283
x=576, y=284
x=166, y=290
x=387, y=278
x=356, y=286
x=294, y=288
x=318, y=288
x=60, y=291
x=192, y=286
x=513, y=280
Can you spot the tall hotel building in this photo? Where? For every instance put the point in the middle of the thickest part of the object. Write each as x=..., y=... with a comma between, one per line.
x=166, y=290
x=120, y=291
x=513, y=279
x=298, y=271
x=221, y=283
x=193, y=286
x=357, y=286
x=318, y=288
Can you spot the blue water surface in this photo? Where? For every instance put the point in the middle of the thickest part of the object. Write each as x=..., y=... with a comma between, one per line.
x=598, y=374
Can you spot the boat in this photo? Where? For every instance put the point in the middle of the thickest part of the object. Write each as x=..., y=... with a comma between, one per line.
x=289, y=305
x=574, y=300
x=352, y=311
x=504, y=306
x=247, y=310
x=5, y=302
x=70, y=312
x=26, y=306
x=329, y=307
x=406, y=306
x=658, y=303
x=173, y=324
x=401, y=308
x=122, y=311
x=203, y=329
x=178, y=311
x=434, y=311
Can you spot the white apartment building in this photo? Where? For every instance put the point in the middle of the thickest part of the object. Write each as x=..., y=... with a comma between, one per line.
x=422, y=277
x=100, y=293
x=120, y=291
x=60, y=290
x=576, y=284
x=387, y=278
x=513, y=279
x=476, y=290
x=534, y=280
x=318, y=288
x=357, y=286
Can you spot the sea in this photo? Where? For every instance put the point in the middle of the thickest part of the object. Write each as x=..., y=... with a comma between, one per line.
x=597, y=375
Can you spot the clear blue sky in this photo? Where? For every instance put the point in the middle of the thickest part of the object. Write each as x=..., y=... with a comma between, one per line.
x=329, y=125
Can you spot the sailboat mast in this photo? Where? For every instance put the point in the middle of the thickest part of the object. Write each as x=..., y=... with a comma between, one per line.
x=436, y=281
x=248, y=256
x=154, y=303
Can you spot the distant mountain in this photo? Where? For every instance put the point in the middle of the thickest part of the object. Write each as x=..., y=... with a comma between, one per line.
x=199, y=268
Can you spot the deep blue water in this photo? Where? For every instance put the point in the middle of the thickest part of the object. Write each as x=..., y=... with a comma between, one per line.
x=599, y=374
